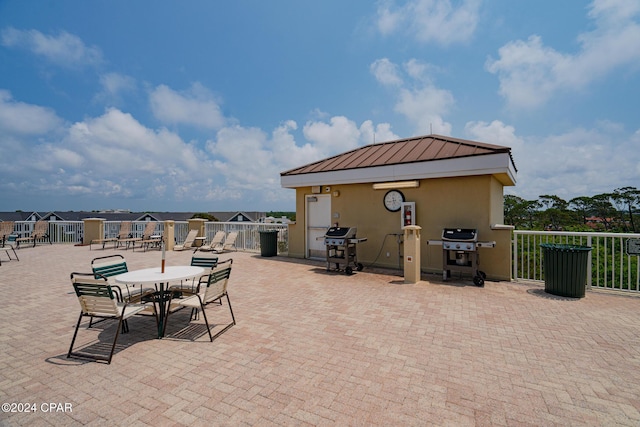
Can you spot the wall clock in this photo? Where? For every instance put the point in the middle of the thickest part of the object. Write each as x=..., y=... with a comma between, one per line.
x=393, y=200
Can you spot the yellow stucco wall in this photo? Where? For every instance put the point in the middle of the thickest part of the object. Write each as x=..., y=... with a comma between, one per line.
x=461, y=202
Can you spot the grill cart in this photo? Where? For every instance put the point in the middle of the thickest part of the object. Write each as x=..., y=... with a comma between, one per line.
x=460, y=253
x=341, y=246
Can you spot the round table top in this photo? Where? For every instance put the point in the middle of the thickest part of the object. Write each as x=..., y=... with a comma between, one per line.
x=153, y=275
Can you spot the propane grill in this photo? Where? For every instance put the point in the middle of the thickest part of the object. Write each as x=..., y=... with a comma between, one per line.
x=341, y=244
x=460, y=253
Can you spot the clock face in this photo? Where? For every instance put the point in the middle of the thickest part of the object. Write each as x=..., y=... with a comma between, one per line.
x=393, y=200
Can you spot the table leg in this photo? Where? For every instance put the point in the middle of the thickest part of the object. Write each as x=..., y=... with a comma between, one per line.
x=162, y=310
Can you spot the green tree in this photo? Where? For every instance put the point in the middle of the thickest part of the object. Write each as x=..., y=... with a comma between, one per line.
x=627, y=199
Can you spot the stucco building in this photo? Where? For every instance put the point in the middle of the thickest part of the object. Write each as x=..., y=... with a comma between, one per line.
x=453, y=183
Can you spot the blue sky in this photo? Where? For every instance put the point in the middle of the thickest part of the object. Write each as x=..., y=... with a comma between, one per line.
x=199, y=105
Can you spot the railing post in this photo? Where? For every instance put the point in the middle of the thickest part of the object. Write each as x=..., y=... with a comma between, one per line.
x=169, y=234
x=589, y=265
x=93, y=230
x=515, y=255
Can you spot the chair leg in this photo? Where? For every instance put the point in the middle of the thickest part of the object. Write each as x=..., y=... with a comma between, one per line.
x=206, y=322
x=230, y=309
x=75, y=334
x=115, y=340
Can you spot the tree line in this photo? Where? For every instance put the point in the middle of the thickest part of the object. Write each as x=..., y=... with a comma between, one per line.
x=618, y=211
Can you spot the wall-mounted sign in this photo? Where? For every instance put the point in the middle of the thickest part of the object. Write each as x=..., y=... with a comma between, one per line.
x=633, y=246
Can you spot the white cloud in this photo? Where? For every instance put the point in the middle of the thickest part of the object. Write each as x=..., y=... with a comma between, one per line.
x=196, y=106
x=385, y=72
x=63, y=49
x=418, y=99
x=531, y=73
x=430, y=20
x=340, y=134
x=25, y=119
x=575, y=163
x=425, y=107
x=114, y=87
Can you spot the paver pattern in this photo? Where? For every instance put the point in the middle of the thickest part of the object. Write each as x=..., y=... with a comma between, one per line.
x=313, y=347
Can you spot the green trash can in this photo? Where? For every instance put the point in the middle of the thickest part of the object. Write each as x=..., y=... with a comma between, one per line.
x=565, y=269
x=268, y=242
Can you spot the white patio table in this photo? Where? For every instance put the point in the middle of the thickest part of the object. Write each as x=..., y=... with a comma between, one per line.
x=154, y=276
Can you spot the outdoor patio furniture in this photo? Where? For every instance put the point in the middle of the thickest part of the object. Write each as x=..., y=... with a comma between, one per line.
x=112, y=265
x=150, y=239
x=160, y=278
x=6, y=229
x=229, y=243
x=40, y=232
x=188, y=241
x=114, y=240
x=192, y=288
x=125, y=236
x=216, y=242
x=97, y=299
x=216, y=288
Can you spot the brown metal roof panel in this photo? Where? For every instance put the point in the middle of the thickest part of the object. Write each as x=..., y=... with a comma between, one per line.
x=350, y=160
x=432, y=151
x=406, y=152
x=382, y=154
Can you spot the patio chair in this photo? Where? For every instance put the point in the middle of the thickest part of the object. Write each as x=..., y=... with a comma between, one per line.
x=97, y=299
x=216, y=242
x=149, y=238
x=215, y=289
x=110, y=266
x=113, y=240
x=188, y=241
x=193, y=288
x=125, y=236
x=40, y=232
x=229, y=243
x=6, y=229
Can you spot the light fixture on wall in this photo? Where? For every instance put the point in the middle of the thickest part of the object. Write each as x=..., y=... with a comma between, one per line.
x=395, y=184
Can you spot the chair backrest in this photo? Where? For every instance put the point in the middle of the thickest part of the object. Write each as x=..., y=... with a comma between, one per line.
x=110, y=265
x=149, y=230
x=125, y=230
x=218, y=238
x=230, y=241
x=206, y=262
x=40, y=229
x=6, y=228
x=95, y=296
x=218, y=280
x=191, y=237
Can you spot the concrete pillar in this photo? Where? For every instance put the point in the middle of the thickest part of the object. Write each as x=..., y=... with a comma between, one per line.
x=197, y=224
x=411, y=253
x=169, y=234
x=93, y=230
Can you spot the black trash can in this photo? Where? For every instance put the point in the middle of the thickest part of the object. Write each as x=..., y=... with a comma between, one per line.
x=565, y=269
x=268, y=242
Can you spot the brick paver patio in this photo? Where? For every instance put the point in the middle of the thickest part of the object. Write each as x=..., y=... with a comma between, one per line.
x=318, y=348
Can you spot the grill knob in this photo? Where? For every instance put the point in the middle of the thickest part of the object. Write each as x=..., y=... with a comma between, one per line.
x=458, y=246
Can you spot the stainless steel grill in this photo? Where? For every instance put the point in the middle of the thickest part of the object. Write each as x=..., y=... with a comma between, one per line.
x=341, y=244
x=460, y=253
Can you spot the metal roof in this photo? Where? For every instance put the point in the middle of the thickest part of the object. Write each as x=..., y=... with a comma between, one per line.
x=403, y=151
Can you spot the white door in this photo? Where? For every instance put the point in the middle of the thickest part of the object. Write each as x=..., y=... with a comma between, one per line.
x=318, y=220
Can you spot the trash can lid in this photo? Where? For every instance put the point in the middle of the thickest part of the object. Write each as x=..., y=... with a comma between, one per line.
x=564, y=247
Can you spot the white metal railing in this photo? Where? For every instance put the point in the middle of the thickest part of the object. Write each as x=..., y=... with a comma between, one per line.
x=248, y=232
x=59, y=231
x=609, y=264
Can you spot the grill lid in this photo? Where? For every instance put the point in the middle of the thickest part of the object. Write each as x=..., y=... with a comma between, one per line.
x=460, y=234
x=341, y=232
